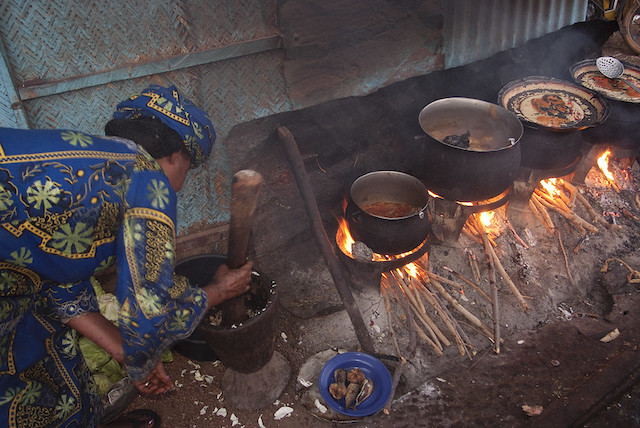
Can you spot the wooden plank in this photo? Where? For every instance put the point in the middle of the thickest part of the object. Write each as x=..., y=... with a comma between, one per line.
x=156, y=67
x=18, y=118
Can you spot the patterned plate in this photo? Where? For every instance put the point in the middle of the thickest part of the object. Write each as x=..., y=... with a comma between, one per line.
x=586, y=73
x=545, y=102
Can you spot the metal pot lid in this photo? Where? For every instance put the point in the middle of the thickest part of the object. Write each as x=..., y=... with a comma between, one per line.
x=586, y=73
x=545, y=102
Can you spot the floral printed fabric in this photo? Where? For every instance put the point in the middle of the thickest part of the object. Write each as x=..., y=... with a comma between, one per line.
x=72, y=205
x=191, y=123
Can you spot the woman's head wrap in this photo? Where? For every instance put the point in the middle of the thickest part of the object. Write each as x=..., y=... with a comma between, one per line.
x=178, y=113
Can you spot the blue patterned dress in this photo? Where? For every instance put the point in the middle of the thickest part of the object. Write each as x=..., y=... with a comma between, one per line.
x=72, y=205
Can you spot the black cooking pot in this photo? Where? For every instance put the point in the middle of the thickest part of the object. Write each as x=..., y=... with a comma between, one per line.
x=369, y=215
x=545, y=149
x=487, y=166
x=621, y=130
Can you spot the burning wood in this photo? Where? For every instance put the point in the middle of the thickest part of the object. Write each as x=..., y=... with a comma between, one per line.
x=603, y=164
x=418, y=292
x=550, y=196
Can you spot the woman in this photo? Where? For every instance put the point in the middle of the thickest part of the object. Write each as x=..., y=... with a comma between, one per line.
x=71, y=205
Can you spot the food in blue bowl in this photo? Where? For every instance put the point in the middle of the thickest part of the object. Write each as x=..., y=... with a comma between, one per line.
x=355, y=384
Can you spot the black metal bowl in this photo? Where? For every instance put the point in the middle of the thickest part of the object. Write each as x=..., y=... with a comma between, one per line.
x=199, y=270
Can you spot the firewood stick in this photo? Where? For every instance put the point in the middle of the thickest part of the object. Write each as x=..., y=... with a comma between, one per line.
x=401, y=293
x=558, y=203
x=515, y=234
x=422, y=315
x=471, y=235
x=418, y=296
x=564, y=254
x=440, y=311
x=436, y=297
x=472, y=226
x=461, y=309
x=402, y=297
x=411, y=349
x=387, y=308
x=473, y=262
x=443, y=308
x=595, y=217
x=538, y=215
x=572, y=217
x=573, y=191
x=462, y=278
x=478, y=228
x=437, y=349
x=507, y=279
x=429, y=326
x=637, y=201
x=543, y=212
x=494, y=289
x=592, y=213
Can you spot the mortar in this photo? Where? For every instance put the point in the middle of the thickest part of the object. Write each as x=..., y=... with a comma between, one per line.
x=247, y=350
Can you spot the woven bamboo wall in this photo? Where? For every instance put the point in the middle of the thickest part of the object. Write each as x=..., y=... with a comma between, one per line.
x=71, y=41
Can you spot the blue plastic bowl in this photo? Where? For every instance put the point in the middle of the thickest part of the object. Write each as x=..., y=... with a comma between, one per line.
x=372, y=368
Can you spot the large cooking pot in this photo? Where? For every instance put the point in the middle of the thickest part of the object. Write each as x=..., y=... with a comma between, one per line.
x=484, y=169
x=386, y=211
x=554, y=112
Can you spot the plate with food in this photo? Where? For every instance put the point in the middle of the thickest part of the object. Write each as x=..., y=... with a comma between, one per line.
x=355, y=384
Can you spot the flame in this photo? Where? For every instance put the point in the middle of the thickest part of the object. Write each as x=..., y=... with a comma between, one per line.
x=486, y=218
x=343, y=238
x=603, y=163
x=345, y=242
x=411, y=269
x=550, y=186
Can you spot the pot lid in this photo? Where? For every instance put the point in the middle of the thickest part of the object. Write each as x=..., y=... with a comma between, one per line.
x=586, y=73
x=545, y=102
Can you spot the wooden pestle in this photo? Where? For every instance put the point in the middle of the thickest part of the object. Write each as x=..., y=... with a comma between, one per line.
x=245, y=189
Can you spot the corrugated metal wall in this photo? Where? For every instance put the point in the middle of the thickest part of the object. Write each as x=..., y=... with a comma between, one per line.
x=66, y=64
x=477, y=29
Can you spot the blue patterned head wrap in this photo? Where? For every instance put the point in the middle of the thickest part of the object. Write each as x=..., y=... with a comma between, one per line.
x=178, y=113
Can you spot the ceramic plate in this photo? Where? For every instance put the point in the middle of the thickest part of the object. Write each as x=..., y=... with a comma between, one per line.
x=586, y=73
x=372, y=368
x=552, y=103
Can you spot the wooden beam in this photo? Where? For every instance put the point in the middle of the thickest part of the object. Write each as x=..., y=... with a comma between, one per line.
x=133, y=71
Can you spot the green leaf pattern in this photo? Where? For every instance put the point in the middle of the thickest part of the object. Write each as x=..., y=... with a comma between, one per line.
x=22, y=258
x=158, y=194
x=73, y=240
x=77, y=138
x=43, y=195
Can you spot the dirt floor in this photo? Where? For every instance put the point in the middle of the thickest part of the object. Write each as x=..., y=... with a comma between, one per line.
x=553, y=368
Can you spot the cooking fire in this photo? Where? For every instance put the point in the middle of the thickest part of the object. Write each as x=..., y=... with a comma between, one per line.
x=424, y=300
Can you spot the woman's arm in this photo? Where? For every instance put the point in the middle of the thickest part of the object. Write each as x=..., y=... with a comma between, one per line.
x=100, y=331
x=105, y=334
x=228, y=283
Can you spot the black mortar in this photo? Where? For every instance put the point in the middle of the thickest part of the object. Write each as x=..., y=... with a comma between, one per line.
x=249, y=346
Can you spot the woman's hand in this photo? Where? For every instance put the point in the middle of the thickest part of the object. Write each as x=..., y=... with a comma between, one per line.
x=157, y=382
x=228, y=283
